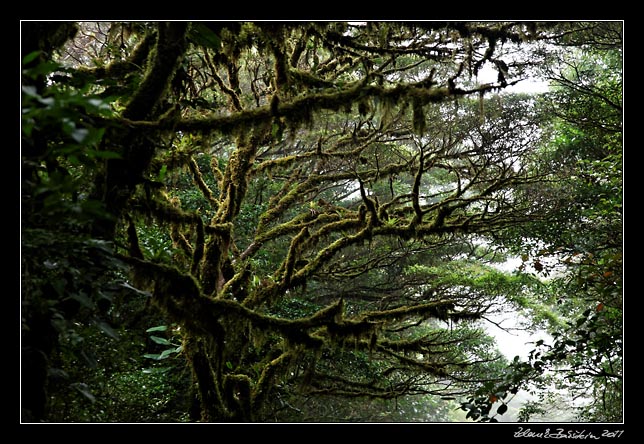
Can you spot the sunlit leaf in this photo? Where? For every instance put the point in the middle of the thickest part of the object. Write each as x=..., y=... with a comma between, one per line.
x=79, y=134
x=157, y=328
x=30, y=91
x=166, y=353
x=159, y=340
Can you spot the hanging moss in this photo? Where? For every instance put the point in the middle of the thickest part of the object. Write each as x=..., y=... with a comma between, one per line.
x=347, y=330
x=418, y=119
x=430, y=309
x=164, y=212
x=299, y=110
x=370, y=204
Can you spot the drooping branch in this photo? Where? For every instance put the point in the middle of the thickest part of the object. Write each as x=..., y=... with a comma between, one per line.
x=166, y=55
x=295, y=108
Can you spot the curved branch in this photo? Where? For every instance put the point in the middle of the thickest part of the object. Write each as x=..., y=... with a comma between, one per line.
x=170, y=46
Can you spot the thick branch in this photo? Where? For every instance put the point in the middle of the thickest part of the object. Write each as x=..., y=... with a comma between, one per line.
x=303, y=105
x=170, y=47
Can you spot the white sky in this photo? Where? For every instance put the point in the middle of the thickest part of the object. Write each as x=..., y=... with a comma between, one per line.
x=487, y=74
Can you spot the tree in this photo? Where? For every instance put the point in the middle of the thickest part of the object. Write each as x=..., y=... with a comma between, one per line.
x=578, y=247
x=68, y=275
x=588, y=105
x=307, y=186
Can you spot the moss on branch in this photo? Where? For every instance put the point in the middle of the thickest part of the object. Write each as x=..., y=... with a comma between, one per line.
x=293, y=110
x=180, y=296
x=262, y=386
x=163, y=211
x=119, y=69
x=201, y=184
x=429, y=309
x=164, y=58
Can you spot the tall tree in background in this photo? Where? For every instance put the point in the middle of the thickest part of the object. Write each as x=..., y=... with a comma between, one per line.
x=582, y=240
x=292, y=199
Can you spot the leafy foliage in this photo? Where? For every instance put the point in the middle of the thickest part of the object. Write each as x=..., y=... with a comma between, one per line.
x=582, y=237
x=297, y=221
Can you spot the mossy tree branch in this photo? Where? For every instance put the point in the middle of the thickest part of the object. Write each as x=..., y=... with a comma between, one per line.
x=330, y=116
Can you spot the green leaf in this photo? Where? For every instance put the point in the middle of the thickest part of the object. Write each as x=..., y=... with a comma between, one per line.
x=42, y=69
x=159, y=340
x=30, y=91
x=30, y=57
x=98, y=106
x=107, y=329
x=47, y=101
x=27, y=126
x=200, y=34
x=157, y=328
x=162, y=173
x=276, y=131
x=165, y=353
x=502, y=409
x=79, y=134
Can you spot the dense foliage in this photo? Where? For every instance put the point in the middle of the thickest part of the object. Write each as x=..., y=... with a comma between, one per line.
x=267, y=221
